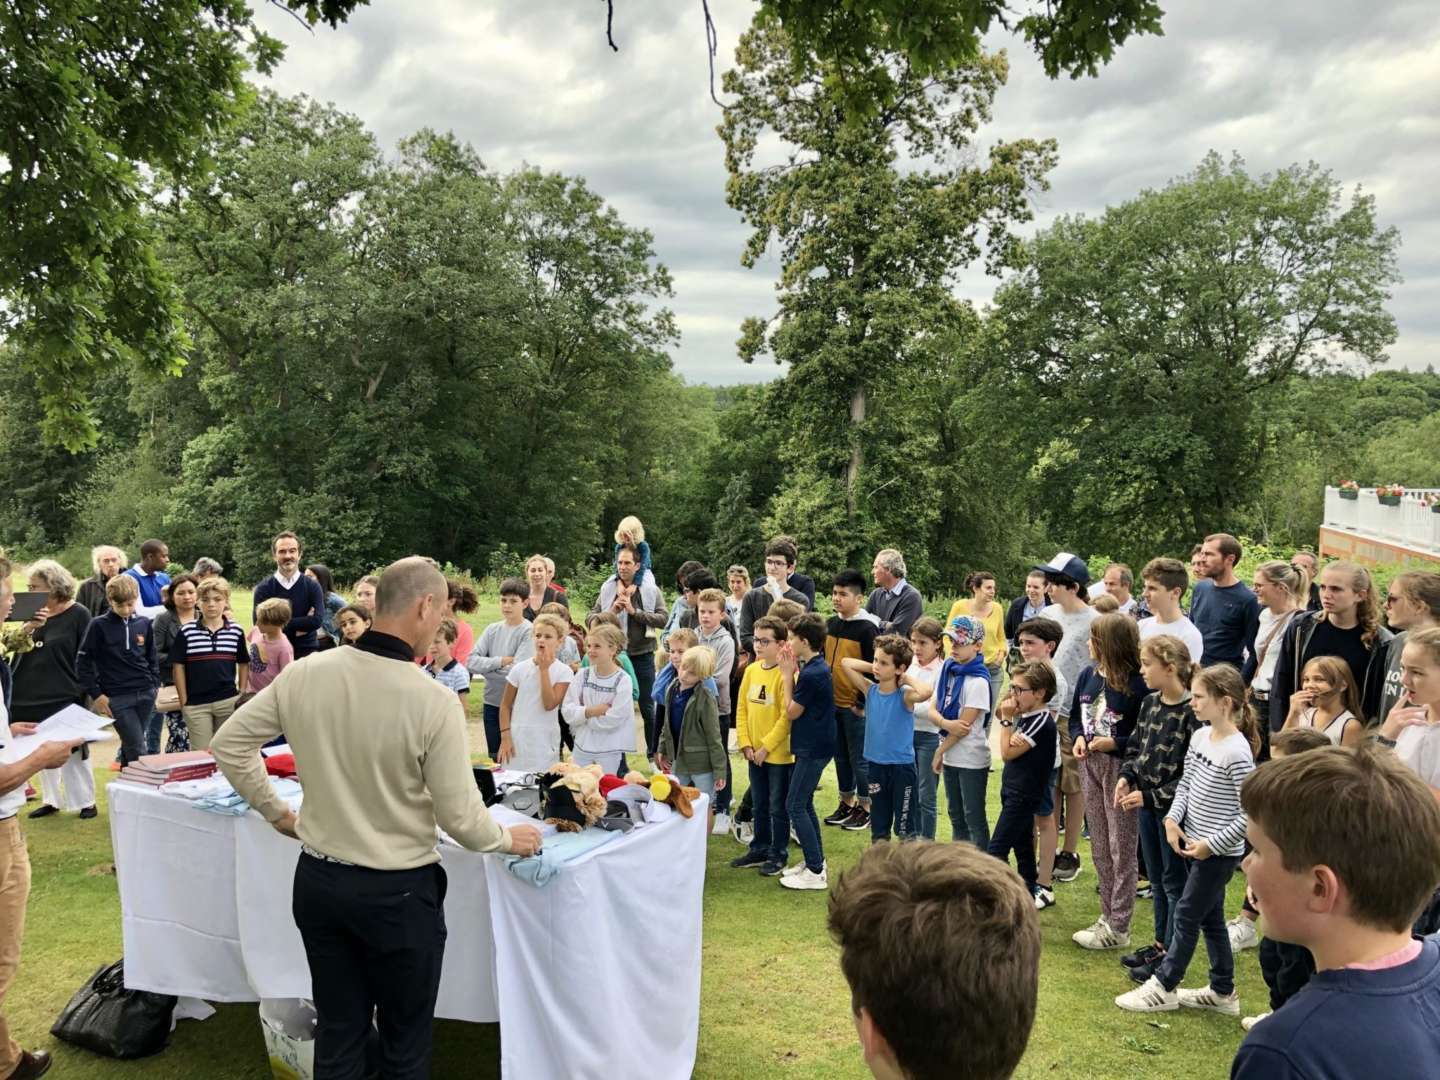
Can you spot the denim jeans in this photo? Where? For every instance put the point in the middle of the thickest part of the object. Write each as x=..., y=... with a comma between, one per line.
x=850, y=753
x=722, y=800
x=892, y=799
x=1202, y=911
x=922, y=817
x=644, y=665
x=1015, y=831
x=132, y=713
x=800, y=805
x=1165, y=870
x=965, y=800
x=154, y=728
x=492, y=730
x=769, y=786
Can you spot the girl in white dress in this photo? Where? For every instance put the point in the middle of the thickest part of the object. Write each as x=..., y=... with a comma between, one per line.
x=1328, y=701
x=530, y=709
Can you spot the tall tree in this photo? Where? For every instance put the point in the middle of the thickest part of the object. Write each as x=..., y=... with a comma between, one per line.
x=874, y=217
x=1152, y=344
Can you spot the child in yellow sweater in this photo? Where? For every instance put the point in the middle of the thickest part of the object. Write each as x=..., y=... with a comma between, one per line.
x=763, y=728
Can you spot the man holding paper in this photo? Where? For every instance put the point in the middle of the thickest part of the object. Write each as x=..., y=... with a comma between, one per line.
x=15, y=1062
x=383, y=756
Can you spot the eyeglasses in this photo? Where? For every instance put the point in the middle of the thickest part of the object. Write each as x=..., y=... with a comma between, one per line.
x=764, y=640
x=1020, y=689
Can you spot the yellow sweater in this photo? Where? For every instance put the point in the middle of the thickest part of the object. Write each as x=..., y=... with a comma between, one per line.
x=993, y=649
x=760, y=717
x=382, y=754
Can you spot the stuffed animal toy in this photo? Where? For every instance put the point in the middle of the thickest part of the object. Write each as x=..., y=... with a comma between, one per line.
x=668, y=790
x=572, y=796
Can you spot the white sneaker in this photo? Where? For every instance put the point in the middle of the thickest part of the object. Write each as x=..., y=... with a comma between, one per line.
x=743, y=832
x=791, y=871
x=1243, y=934
x=1100, y=936
x=1044, y=897
x=1250, y=1021
x=805, y=879
x=1149, y=997
x=1205, y=998
x=721, y=826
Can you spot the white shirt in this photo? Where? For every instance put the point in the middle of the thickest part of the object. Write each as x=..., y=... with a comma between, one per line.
x=1073, y=652
x=927, y=674
x=613, y=730
x=1417, y=746
x=12, y=801
x=534, y=729
x=289, y=582
x=1267, y=638
x=973, y=751
x=1186, y=631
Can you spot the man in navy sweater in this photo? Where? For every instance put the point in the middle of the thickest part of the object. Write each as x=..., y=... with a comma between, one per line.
x=1345, y=855
x=1222, y=607
x=304, y=594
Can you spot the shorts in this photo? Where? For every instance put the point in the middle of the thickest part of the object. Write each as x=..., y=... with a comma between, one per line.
x=1069, y=767
x=1047, y=803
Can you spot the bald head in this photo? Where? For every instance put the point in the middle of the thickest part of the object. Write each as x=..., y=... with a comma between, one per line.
x=404, y=583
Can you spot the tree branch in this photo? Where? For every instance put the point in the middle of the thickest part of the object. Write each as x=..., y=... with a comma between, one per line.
x=610, y=24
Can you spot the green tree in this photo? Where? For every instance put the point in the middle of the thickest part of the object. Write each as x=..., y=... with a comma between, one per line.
x=873, y=217
x=1153, y=346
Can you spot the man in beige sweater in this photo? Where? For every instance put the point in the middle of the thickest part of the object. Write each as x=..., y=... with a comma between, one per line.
x=384, y=759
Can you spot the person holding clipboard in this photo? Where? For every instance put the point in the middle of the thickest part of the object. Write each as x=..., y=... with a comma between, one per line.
x=384, y=758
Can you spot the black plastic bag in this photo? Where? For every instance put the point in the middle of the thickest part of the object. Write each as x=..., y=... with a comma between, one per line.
x=108, y=1019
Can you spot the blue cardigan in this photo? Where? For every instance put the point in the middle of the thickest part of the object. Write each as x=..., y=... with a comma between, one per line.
x=307, y=602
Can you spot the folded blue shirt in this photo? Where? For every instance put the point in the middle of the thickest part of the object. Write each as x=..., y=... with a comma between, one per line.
x=555, y=852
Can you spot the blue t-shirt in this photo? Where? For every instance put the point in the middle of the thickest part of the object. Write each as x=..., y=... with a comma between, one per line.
x=1349, y=1022
x=889, y=728
x=812, y=733
x=676, y=715
x=1227, y=619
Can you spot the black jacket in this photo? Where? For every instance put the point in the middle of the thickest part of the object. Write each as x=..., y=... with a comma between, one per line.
x=1287, y=669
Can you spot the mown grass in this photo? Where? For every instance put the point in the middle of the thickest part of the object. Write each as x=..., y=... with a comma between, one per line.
x=773, y=1002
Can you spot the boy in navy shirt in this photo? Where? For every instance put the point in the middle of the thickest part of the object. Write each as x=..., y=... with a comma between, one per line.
x=1028, y=738
x=1345, y=855
x=118, y=666
x=810, y=697
x=889, y=732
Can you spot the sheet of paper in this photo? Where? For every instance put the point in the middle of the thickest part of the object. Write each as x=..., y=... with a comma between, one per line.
x=71, y=722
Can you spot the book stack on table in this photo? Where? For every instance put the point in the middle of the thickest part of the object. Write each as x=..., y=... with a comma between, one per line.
x=156, y=769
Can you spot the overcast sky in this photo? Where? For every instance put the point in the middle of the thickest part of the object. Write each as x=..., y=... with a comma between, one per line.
x=1351, y=86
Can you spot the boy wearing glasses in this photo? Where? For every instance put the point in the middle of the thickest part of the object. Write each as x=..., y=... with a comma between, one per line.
x=1028, y=737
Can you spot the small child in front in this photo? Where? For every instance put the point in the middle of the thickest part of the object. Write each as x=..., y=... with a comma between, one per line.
x=1029, y=737
x=632, y=531
x=1345, y=853
x=889, y=745
x=941, y=948
x=443, y=667
x=599, y=707
x=530, y=709
x=690, y=740
x=270, y=650
x=1206, y=825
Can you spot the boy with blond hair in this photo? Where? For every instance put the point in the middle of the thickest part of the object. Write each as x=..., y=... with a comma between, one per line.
x=442, y=665
x=117, y=664
x=1345, y=853
x=212, y=664
x=709, y=629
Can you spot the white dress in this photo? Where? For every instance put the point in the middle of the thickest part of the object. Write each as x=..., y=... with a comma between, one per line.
x=534, y=730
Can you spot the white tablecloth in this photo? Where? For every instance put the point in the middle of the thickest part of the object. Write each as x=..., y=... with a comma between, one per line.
x=593, y=975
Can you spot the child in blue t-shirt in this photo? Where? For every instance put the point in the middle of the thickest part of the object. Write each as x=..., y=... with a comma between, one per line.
x=1028, y=738
x=889, y=732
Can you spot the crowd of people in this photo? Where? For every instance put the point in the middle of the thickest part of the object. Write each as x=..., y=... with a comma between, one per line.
x=1133, y=718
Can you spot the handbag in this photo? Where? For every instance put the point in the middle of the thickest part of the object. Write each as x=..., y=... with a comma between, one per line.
x=167, y=700
x=108, y=1019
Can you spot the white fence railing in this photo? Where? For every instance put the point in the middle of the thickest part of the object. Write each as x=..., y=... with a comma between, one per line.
x=1411, y=523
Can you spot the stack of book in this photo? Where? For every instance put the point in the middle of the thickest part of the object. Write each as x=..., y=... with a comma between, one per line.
x=157, y=769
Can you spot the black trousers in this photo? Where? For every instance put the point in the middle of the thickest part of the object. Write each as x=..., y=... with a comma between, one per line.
x=1015, y=831
x=1286, y=968
x=374, y=940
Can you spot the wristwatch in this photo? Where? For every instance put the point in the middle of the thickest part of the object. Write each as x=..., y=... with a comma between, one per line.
x=1007, y=723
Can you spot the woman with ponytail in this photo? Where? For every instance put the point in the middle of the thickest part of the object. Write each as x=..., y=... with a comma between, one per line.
x=1206, y=825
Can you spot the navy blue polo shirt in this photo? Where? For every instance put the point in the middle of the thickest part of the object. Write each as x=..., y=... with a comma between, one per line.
x=210, y=657
x=812, y=733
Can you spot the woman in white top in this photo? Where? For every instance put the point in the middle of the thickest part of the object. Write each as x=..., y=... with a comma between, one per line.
x=1283, y=591
x=1328, y=701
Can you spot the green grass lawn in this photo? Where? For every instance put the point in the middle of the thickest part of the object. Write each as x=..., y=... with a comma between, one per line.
x=773, y=1002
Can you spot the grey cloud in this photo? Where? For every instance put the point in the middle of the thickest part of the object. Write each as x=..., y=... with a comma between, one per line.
x=1348, y=86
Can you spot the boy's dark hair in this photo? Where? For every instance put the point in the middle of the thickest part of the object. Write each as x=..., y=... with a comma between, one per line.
x=898, y=648
x=1297, y=741
x=809, y=628
x=774, y=625
x=1040, y=674
x=1167, y=573
x=784, y=547
x=700, y=580
x=941, y=946
x=853, y=580
x=514, y=586
x=1043, y=629
x=688, y=567
x=1364, y=814
x=152, y=547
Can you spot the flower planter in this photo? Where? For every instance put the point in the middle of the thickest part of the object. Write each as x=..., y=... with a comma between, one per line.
x=1351, y=495
x=1389, y=500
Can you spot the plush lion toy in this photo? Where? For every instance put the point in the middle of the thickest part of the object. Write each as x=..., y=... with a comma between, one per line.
x=668, y=790
x=583, y=784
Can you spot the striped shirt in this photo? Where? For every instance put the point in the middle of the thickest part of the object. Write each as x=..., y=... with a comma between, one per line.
x=451, y=675
x=210, y=657
x=1207, y=799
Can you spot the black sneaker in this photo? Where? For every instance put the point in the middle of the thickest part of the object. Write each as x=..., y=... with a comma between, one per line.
x=1067, y=866
x=1142, y=973
x=43, y=810
x=859, y=819
x=749, y=859
x=1147, y=955
x=88, y=813
x=842, y=814
x=772, y=869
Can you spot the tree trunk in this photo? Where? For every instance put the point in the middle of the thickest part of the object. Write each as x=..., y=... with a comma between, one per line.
x=857, y=455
